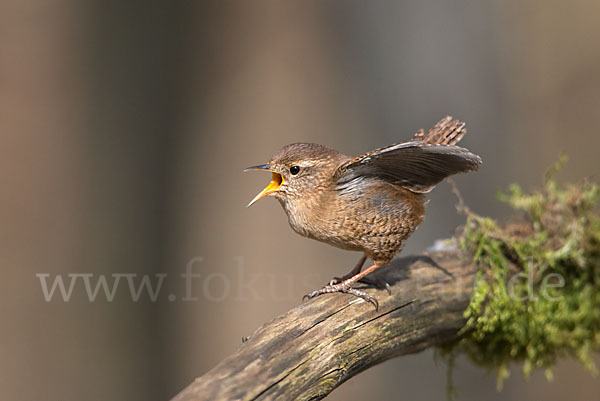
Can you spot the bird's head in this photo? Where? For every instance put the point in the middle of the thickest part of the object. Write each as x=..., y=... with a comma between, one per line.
x=297, y=170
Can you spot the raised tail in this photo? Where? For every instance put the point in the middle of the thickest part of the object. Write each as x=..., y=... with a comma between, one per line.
x=446, y=132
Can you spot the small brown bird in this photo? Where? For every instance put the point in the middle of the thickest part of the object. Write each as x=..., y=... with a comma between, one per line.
x=369, y=203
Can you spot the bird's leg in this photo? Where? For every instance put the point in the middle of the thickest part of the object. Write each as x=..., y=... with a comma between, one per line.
x=381, y=284
x=352, y=273
x=346, y=286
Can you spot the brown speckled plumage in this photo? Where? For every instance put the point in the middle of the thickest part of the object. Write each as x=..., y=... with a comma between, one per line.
x=370, y=203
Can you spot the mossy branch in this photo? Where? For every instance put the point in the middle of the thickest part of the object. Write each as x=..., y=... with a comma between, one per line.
x=485, y=293
x=318, y=345
x=537, y=297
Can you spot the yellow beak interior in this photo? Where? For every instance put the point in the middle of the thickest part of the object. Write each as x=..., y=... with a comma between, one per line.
x=276, y=181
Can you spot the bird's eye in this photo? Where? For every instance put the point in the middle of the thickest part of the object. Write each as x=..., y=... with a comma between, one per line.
x=294, y=170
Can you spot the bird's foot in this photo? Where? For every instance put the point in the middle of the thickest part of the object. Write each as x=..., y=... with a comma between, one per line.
x=375, y=282
x=378, y=283
x=345, y=287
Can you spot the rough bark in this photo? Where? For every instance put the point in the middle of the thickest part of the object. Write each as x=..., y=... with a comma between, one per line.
x=309, y=351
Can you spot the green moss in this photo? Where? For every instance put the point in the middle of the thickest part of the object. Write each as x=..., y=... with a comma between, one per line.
x=519, y=312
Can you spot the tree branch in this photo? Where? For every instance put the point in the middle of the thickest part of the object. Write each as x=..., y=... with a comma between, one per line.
x=307, y=352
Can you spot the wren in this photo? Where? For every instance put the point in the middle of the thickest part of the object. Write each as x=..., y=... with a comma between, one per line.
x=370, y=203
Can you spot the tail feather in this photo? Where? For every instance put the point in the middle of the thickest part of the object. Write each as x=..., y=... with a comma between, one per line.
x=446, y=132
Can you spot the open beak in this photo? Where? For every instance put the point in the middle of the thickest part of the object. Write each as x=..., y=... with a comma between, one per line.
x=276, y=181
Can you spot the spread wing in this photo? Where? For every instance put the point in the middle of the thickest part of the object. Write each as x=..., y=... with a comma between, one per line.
x=417, y=165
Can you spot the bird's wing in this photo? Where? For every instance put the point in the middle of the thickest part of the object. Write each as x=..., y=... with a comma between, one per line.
x=416, y=165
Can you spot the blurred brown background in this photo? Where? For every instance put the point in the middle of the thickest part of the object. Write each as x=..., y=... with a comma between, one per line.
x=125, y=126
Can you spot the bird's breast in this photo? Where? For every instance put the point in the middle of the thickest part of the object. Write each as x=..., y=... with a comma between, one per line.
x=304, y=215
x=364, y=217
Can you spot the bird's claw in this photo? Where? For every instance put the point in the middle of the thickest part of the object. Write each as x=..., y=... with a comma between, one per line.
x=363, y=295
x=387, y=287
x=345, y=289
x=378, y=283
x=336, y=280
